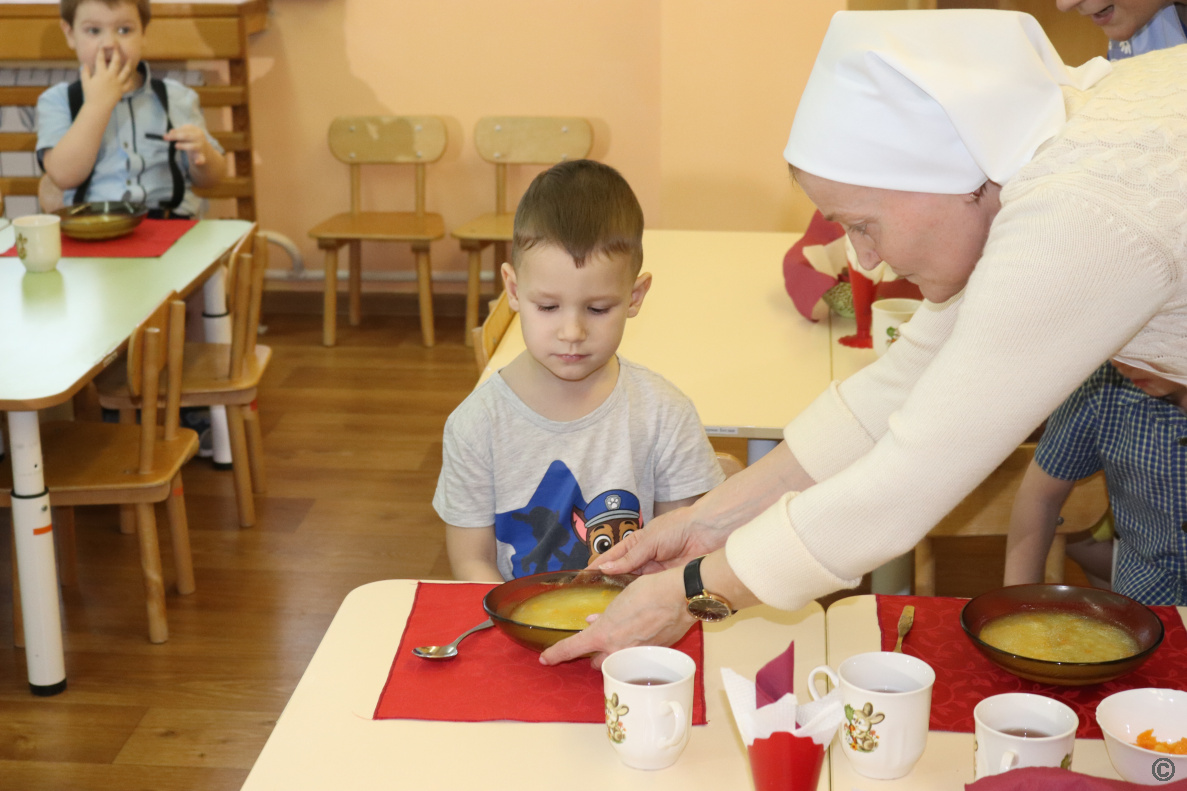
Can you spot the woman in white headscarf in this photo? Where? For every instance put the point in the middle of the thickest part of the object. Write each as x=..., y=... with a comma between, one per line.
x=1041, y=210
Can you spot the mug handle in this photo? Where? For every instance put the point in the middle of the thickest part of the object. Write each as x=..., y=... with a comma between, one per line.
x=678, y=731
x=827, y=671
x=1009, y=761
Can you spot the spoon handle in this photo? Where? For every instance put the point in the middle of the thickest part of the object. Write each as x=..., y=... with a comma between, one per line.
x=488, y=623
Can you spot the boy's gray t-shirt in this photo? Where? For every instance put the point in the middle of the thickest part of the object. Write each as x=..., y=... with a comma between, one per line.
x=546, y=485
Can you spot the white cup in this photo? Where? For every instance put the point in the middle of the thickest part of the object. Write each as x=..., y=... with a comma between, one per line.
x=648, y=704
x=887, y=699
x=1018, y=729
x=887, y=316
x=38, y=241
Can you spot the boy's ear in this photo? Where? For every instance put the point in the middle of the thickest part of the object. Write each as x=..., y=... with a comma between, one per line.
x=68, y=32
x=638, y=291
x=511, y=285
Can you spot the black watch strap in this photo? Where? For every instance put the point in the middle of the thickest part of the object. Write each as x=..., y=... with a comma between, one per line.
x=692, y=578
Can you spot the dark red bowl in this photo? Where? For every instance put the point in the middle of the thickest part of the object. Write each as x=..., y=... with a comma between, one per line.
x=503, y=599
x=1136, y=619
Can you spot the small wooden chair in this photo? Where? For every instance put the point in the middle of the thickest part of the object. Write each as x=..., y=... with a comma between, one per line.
x=986, y=512
x=730, y=464
x=485, y=338
x=503, y=141
x=226, y=374
x=373, y=140
x=90, y=463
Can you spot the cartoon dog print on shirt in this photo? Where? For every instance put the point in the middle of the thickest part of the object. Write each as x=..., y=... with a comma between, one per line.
x=609, y=518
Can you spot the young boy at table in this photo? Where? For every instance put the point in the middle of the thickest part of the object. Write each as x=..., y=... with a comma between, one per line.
x=1134, y=27
x=118, y=133
x=568, y=448
x=1132, y=424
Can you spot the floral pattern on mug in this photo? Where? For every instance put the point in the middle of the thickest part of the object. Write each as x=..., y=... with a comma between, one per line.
x=614, y=712
x=892, y=335
x=21, y=241
x=859, y=728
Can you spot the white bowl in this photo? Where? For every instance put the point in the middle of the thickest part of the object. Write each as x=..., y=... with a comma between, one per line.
x=1124, y=715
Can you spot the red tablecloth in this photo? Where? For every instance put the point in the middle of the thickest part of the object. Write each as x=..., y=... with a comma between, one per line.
x=150, y=239
x=494, y=678
x=964, y=676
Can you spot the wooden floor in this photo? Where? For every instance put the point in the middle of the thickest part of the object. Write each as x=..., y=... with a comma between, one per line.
x=353, y=444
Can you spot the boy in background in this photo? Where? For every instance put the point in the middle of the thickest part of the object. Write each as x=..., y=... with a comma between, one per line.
x=118, y=133
x=1132, y=424
x=1134, y=27
x=568, y=448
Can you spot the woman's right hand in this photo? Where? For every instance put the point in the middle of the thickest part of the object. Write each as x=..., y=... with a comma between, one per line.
x=668, y=540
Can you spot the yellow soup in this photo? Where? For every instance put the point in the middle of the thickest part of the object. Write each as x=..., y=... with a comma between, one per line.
x=1059, y=637
x=565, y=608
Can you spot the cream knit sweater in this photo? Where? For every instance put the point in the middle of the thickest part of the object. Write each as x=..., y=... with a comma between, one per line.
x=1086, y=260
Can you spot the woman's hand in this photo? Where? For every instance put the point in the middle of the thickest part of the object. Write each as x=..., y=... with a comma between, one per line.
x=650, y=611
x=669, y=540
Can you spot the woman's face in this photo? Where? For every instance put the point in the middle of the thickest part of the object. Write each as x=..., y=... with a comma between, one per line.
x=932, y=240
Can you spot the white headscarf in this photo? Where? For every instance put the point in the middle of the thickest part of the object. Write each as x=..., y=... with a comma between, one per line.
x=931, y=101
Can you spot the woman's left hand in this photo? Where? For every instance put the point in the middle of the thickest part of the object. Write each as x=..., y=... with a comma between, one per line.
x=650, y=611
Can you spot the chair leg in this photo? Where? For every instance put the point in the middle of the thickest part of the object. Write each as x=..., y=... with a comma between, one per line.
x=329, y=324
x=179, y=531
x=473, y=287
x=255, y=448
x=356, y=282
x=925, y=568
x=150, y=564
x=127, y=512
x=424, y=282
x=63, y=519
x=240, y=466
x=18, y=615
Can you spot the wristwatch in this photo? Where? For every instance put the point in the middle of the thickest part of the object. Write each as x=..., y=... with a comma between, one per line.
x=703, y=605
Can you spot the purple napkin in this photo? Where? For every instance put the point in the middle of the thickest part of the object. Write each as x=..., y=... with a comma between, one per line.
x=776, y=678
x=1052, y=779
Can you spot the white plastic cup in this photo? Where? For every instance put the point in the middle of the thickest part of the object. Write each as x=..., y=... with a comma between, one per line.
x=1018, y=729
x=38, y=241
x=887, y=316
x=648, y=704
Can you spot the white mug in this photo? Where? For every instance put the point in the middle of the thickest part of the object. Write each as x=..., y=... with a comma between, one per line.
x=648, y=704
x=887, y=316
x=38, y=241
x=887, y=699
x=1017, y=729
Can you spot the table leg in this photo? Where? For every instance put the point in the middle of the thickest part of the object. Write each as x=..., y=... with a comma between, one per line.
x=33, y=533
x=217, y=323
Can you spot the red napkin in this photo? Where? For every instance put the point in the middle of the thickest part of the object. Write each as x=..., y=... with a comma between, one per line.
x=150, y=239
x=493, y=678
x=964, y=676
x=1052, y=779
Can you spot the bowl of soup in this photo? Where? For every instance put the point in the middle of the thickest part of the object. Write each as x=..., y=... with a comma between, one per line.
x=100, y=220
x=543, y=609
x=1062, y=634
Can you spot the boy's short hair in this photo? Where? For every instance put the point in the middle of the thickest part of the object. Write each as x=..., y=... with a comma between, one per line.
x=583, y=206
x=70, y=8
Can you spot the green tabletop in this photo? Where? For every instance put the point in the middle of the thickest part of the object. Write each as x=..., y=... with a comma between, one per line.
x=58, y=328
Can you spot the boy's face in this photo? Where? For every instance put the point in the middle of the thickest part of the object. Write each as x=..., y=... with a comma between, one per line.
x=100, y=30
x=573, y=318
x=1153, y=385
x=1119, y=19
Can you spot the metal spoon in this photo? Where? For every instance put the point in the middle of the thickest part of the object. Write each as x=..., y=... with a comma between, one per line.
x=449, y=651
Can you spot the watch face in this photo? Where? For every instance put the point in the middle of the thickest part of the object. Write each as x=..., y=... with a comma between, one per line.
x=704, y=608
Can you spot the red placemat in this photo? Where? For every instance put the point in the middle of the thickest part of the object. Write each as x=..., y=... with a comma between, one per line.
x=150, y=239
x=964, y=676
x=493, y=678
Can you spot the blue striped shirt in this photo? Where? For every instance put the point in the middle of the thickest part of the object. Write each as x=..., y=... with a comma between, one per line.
x=1141, y=444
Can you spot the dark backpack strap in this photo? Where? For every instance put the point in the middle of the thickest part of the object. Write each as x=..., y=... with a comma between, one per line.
x=162, y=94
x=75, y=98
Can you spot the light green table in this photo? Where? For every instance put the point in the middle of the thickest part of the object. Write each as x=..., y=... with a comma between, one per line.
x=57, y=330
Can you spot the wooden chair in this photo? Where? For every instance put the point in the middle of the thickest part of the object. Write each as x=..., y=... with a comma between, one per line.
x=986, y=512
x=226, y=374
x=485, y=338
x=374, y=140
x=103, y=463
x=503, y=141
x=730, y=464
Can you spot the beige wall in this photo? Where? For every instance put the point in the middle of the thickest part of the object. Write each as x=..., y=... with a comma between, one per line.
x=690, y=99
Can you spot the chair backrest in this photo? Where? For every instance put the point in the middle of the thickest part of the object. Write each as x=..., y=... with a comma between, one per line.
x=387, y=139
x=522, y=140
x=730, y=464
x=247, y=280
x=487, y=335
x=156, y=347
x=30, y=34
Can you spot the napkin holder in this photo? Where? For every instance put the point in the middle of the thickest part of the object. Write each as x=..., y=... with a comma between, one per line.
x=783, y=762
